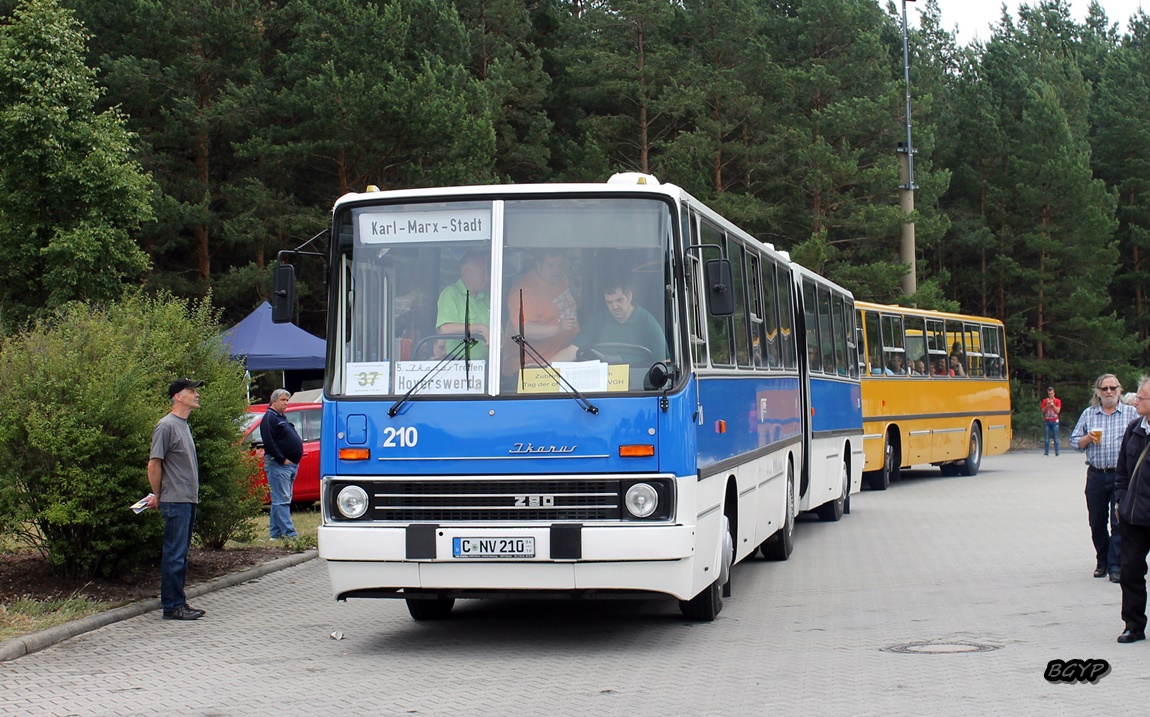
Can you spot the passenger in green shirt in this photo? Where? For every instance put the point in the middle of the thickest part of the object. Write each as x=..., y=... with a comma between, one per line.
x=625, y=323
x=453, y=309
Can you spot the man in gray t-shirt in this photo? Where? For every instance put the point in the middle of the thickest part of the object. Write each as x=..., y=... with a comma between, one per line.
x=173, y=472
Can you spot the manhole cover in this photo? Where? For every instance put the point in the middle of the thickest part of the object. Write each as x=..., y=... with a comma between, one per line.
x=939, y=648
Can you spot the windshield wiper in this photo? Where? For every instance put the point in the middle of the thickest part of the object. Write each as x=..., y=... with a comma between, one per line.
x=464, y=346
x=525, y=348
x=575, y=394
x=467, y=335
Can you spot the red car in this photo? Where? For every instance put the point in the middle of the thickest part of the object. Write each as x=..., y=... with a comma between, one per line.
x=305, y=416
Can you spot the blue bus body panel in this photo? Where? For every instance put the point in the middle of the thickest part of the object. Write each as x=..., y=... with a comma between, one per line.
x=492, y=437
x=837, y=404
x=742, y=414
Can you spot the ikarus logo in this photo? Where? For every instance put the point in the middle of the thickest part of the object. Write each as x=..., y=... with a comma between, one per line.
x=531, y=448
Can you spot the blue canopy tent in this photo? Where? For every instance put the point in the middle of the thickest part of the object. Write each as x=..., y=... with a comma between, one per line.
x=267, y=346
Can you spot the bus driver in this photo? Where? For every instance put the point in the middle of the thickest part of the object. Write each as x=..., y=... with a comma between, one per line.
x=633, y=330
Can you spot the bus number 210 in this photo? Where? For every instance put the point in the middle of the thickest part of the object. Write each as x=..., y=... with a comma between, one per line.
x=402, y=437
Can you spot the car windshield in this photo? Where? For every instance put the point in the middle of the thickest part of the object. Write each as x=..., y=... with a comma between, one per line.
x=504, y=297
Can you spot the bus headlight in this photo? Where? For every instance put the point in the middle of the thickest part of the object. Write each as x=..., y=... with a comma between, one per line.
x=352, y=501
x=641, y=500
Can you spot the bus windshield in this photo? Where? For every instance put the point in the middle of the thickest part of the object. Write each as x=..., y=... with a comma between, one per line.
x=503, y=297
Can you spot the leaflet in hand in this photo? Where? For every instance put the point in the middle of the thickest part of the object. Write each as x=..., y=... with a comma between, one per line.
x=142, y=504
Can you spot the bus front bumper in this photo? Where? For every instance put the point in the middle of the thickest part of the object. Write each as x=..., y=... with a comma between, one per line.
x=375, y=561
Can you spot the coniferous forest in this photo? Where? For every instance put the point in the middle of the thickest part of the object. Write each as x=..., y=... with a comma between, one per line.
x=180, y=145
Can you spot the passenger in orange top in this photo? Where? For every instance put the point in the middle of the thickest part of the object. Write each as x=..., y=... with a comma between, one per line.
x=550, y=314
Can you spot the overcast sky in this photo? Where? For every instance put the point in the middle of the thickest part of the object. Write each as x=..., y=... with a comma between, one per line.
x=974, y=17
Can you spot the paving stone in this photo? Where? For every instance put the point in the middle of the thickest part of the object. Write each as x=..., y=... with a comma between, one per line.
x=1002, y=559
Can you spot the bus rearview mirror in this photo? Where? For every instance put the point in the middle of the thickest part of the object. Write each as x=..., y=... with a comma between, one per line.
x=283, y=294
x=720, y=297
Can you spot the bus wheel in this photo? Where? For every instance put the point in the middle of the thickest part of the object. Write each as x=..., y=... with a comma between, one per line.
x=833, y=511
x=705, y=606
x=433, y=609
x=973, y=461
x=780, y=545
x=880, y=479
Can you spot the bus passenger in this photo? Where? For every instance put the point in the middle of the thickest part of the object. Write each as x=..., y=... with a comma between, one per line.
x=919, y=367
x=958, y=351
x=550, y=321
x=940, y=367
x=956, y=367
x=895, y=367
x=630, y=325
x=467, y=302
x=877, y=368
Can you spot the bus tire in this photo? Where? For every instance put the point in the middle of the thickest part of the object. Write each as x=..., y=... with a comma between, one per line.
x=881, y=479
x=707, y=605
x=973, y=462
x=833, y=511
x=780, y=545
x=433, y=609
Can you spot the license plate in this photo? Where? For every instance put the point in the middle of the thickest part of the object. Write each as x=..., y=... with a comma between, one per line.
x=493, y=547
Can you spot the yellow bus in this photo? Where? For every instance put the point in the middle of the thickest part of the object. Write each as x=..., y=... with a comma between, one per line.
x=935, y=389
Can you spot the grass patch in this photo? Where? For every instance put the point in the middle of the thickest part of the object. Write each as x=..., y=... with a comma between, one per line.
x=306, y=522
x=22, y=617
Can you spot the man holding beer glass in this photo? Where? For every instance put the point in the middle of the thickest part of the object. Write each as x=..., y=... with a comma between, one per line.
x=1099, y=433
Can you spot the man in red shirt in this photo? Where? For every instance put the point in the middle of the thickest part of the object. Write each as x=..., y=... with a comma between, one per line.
x=1051, y=409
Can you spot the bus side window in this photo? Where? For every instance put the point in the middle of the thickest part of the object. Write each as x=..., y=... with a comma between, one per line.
x=755, y=306
x=786, y=295
x=973, y=344
x=718, y=327
x=957, y=355
x=741, y=320
x=916, y=358
x=842, y=334
x=936, y=348
x=874, y=345
x=826, y=330
x=894, y=349
x=860, y=344
x=811, y=319
x=771, y=337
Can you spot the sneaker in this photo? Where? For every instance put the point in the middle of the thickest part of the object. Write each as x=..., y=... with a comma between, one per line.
x=189, y=608
x=182, y=613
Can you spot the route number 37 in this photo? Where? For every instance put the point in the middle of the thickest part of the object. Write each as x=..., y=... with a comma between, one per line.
x=402, y=437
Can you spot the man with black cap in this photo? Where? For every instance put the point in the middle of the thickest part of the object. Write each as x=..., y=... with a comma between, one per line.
x=173, y=472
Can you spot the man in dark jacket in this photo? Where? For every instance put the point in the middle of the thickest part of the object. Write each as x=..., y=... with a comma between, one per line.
x=1132, y=492
x=283, y=449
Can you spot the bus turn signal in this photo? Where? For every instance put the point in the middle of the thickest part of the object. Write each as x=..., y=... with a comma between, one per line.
x=639, y=450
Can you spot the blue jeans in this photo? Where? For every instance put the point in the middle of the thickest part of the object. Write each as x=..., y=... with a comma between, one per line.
x=178, y=521
x=1051, y=432
x=281, y=478
x=1102, y=511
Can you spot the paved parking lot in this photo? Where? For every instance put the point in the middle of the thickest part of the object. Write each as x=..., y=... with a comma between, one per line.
x=940, y=567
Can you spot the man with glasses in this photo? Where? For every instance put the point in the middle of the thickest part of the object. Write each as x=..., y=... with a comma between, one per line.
x=1099, y=433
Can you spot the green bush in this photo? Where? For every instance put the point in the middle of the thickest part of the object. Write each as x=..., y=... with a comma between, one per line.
x=79, y=395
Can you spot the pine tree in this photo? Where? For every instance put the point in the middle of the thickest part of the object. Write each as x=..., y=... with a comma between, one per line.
x=1121, y=140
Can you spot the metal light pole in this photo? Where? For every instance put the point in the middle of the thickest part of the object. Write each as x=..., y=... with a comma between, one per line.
x=906, y=189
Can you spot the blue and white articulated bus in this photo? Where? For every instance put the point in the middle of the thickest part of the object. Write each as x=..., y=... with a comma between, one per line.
x=575, y=390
